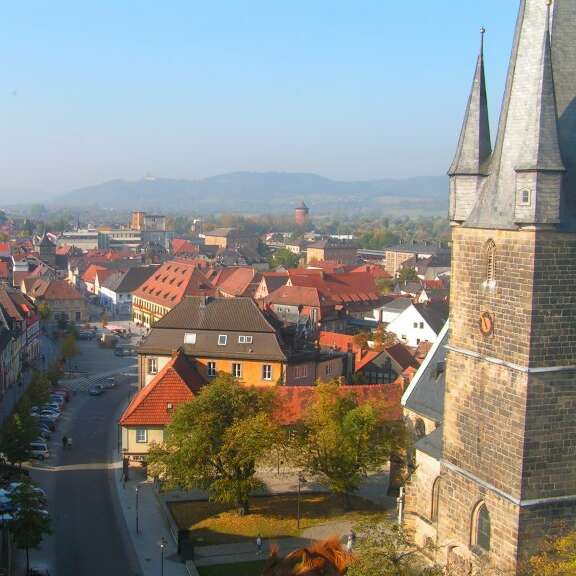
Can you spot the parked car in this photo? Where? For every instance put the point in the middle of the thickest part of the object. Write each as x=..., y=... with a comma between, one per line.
x=85, y=335
x=95, y=390
x=39, y=450
x=52, y=406
x=62, y=392
x=13, y=486
x=48, y=422
x=110, y=382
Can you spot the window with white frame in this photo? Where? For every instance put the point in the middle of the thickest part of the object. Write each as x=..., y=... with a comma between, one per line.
x=301, y=372
x=211, y=369
x=152, y=366
x=244, y=339
x=190, y=338
x=222, y=340
x=237, y=370
x=141, y=435
x=267, y=372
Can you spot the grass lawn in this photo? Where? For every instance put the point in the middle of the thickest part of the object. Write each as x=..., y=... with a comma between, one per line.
x=247, y=569
x=270, y=516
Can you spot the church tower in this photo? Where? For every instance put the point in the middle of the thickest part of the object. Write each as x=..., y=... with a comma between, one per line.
x=508, y=463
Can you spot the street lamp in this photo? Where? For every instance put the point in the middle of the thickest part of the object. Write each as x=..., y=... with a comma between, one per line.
x=162, y=546
x=301, y=480
x=137, y=512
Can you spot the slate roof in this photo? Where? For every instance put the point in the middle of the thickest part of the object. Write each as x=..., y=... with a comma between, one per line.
x=435, y=314
x=431, y=444
x=425, y=394
x=332, y=243
x=232, y=314
x=129, y=280
x=397, y=305
x=178, y=382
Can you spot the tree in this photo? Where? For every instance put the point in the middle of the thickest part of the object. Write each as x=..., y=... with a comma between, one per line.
x=361, y=340
x=44, y=311
x=69, y=348
x=283, y=257
x=53, y=374
x=16, y=435
x=557, y=558
x=385, y=550
x=215, y=441
x=385, y=285
x=382, y=338
x=39, y=389
x=341, y=441
x=407, y=275
x=30, y=521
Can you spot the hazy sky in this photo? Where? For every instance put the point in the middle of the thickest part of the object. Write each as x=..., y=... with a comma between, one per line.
x=98, y=89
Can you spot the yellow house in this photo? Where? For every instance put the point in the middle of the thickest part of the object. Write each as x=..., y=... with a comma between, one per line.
x=143, y=422
x=233, y=335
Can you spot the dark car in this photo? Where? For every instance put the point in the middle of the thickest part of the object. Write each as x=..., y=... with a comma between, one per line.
x=95, y=390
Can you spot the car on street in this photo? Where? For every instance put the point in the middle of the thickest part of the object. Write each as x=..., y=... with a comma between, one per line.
x=39, y=450
x=52, y=406
x=47, y=422
x=86, y=335
x=44, y=434
x=109, y=382
x=95, y=390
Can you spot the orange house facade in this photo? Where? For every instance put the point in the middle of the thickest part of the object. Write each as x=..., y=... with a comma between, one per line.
x=234, y=336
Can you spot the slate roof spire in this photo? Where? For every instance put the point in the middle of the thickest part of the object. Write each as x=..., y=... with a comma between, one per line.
x=541, y=149
x=474, y=146
x=537, y=129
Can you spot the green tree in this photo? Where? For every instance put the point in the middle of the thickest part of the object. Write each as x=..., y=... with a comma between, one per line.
x=407, y=275
x=215, y=441
x=39, y=389
x=385, y=285
x=69, y=348
x=44, y=311
x=361, y=339
x=341, y=441
x=385, y=550
x=283, y=257
x=16, y=435
x=54, y=374
x=30, y=521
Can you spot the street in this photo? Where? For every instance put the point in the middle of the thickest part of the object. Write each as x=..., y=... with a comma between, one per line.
x=89, y=535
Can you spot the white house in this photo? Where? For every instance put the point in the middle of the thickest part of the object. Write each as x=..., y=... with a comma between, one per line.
x=419, y=323
x=390, y=311
x=116, y=290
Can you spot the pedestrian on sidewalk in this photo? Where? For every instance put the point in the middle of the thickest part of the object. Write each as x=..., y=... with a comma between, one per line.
x=64, y=442
x=69, y=443
x=350, y=542
x=258, y=545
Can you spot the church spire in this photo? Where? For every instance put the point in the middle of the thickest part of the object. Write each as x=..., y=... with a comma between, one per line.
x=541, y=149
x=533, y=166
x=474, y=147
x=468, y=170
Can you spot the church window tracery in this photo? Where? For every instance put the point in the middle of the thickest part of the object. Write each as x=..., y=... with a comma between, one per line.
x=490, y=261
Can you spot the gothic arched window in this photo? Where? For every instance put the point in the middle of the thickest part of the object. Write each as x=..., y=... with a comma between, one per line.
x=435, y=500
x=481, y=528
x=490, y=260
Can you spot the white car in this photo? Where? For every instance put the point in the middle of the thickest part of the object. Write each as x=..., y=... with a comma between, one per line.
x=39, y=450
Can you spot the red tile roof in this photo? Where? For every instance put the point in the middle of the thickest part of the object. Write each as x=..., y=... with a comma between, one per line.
x=292, y=401
x=181, y=246
x=90, y=273
x=178, y=382
x=5, y=247
x=237, y=281
x=54, y=290
x=172, y=281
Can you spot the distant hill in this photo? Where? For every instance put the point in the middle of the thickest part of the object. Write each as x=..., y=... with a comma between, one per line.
x=254, y=192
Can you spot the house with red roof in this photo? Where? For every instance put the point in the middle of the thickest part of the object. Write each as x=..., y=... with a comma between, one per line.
x=166, y=288
x=372, y=366
x=235, y=281
x=64, y=302
x=144, y=420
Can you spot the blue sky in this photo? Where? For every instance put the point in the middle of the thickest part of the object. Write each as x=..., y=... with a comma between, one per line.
x=103, y=89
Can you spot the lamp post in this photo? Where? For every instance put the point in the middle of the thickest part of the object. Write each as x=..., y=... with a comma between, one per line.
x=162, y=546
x=137, y=512
x=301, y=480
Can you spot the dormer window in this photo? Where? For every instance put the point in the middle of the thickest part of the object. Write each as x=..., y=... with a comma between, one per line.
x=222, y=340
x=190, y=338
x=245, y=339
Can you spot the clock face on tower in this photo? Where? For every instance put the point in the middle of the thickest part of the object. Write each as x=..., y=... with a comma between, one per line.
x=486, y=323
